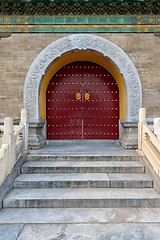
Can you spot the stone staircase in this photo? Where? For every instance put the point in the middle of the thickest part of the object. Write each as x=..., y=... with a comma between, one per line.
x=82, y=182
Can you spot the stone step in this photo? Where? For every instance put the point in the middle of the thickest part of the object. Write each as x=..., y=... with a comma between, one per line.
x=82, y=167
x=48, y=156
x=83, y=180
x=81, y=198
x=81, y=216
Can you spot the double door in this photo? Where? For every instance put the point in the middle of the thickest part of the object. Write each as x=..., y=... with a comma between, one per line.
x=82, y=103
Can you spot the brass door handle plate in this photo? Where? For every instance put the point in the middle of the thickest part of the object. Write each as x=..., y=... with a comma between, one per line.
x=78, y=96
x=86, y=96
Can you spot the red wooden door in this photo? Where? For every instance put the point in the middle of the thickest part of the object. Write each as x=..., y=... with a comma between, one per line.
x=64, y=109
x=101, y=110
x=82, y=103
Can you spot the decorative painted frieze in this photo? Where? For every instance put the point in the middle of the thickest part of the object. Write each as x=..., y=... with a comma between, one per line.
x=80, y=8
x=85, y=24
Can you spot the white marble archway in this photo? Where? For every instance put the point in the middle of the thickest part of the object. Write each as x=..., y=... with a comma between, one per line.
x=82, y=42
x=74, y=42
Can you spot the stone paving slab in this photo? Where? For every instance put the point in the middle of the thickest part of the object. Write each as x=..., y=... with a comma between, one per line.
x=79, y=215
x=91, y=232
x=107, y=231
x=10, y=231
x=80, y=224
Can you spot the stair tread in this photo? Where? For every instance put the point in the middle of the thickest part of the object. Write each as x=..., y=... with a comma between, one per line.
x=81, y=193
x=83, y=157
x=62, y=177
x=83, y=177
x=129, y=176
x=82, y=164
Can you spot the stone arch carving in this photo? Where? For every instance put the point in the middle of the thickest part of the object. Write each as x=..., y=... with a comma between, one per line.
x=82, y=42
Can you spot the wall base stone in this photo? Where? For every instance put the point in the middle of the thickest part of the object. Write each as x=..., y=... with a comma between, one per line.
x=36, y=139
x=129, y=133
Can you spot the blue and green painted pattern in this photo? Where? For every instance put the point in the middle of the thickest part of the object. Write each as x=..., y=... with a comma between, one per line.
x=79, y=24
x=79, y=16
x=76, y=20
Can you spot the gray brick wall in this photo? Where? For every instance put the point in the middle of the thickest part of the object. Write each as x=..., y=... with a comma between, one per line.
x=18, y=52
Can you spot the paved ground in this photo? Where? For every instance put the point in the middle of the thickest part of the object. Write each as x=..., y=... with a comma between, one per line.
x=81, y=224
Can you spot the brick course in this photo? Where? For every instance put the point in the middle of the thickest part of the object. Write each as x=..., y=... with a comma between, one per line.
x=18, y=52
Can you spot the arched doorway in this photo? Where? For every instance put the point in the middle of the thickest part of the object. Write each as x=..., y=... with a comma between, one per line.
x=82, y=101
x=125, y=73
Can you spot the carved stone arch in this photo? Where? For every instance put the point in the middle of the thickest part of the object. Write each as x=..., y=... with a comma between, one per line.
x=74, y=42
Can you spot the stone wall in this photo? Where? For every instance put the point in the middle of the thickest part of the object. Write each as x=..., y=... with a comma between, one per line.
x=18, y=52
